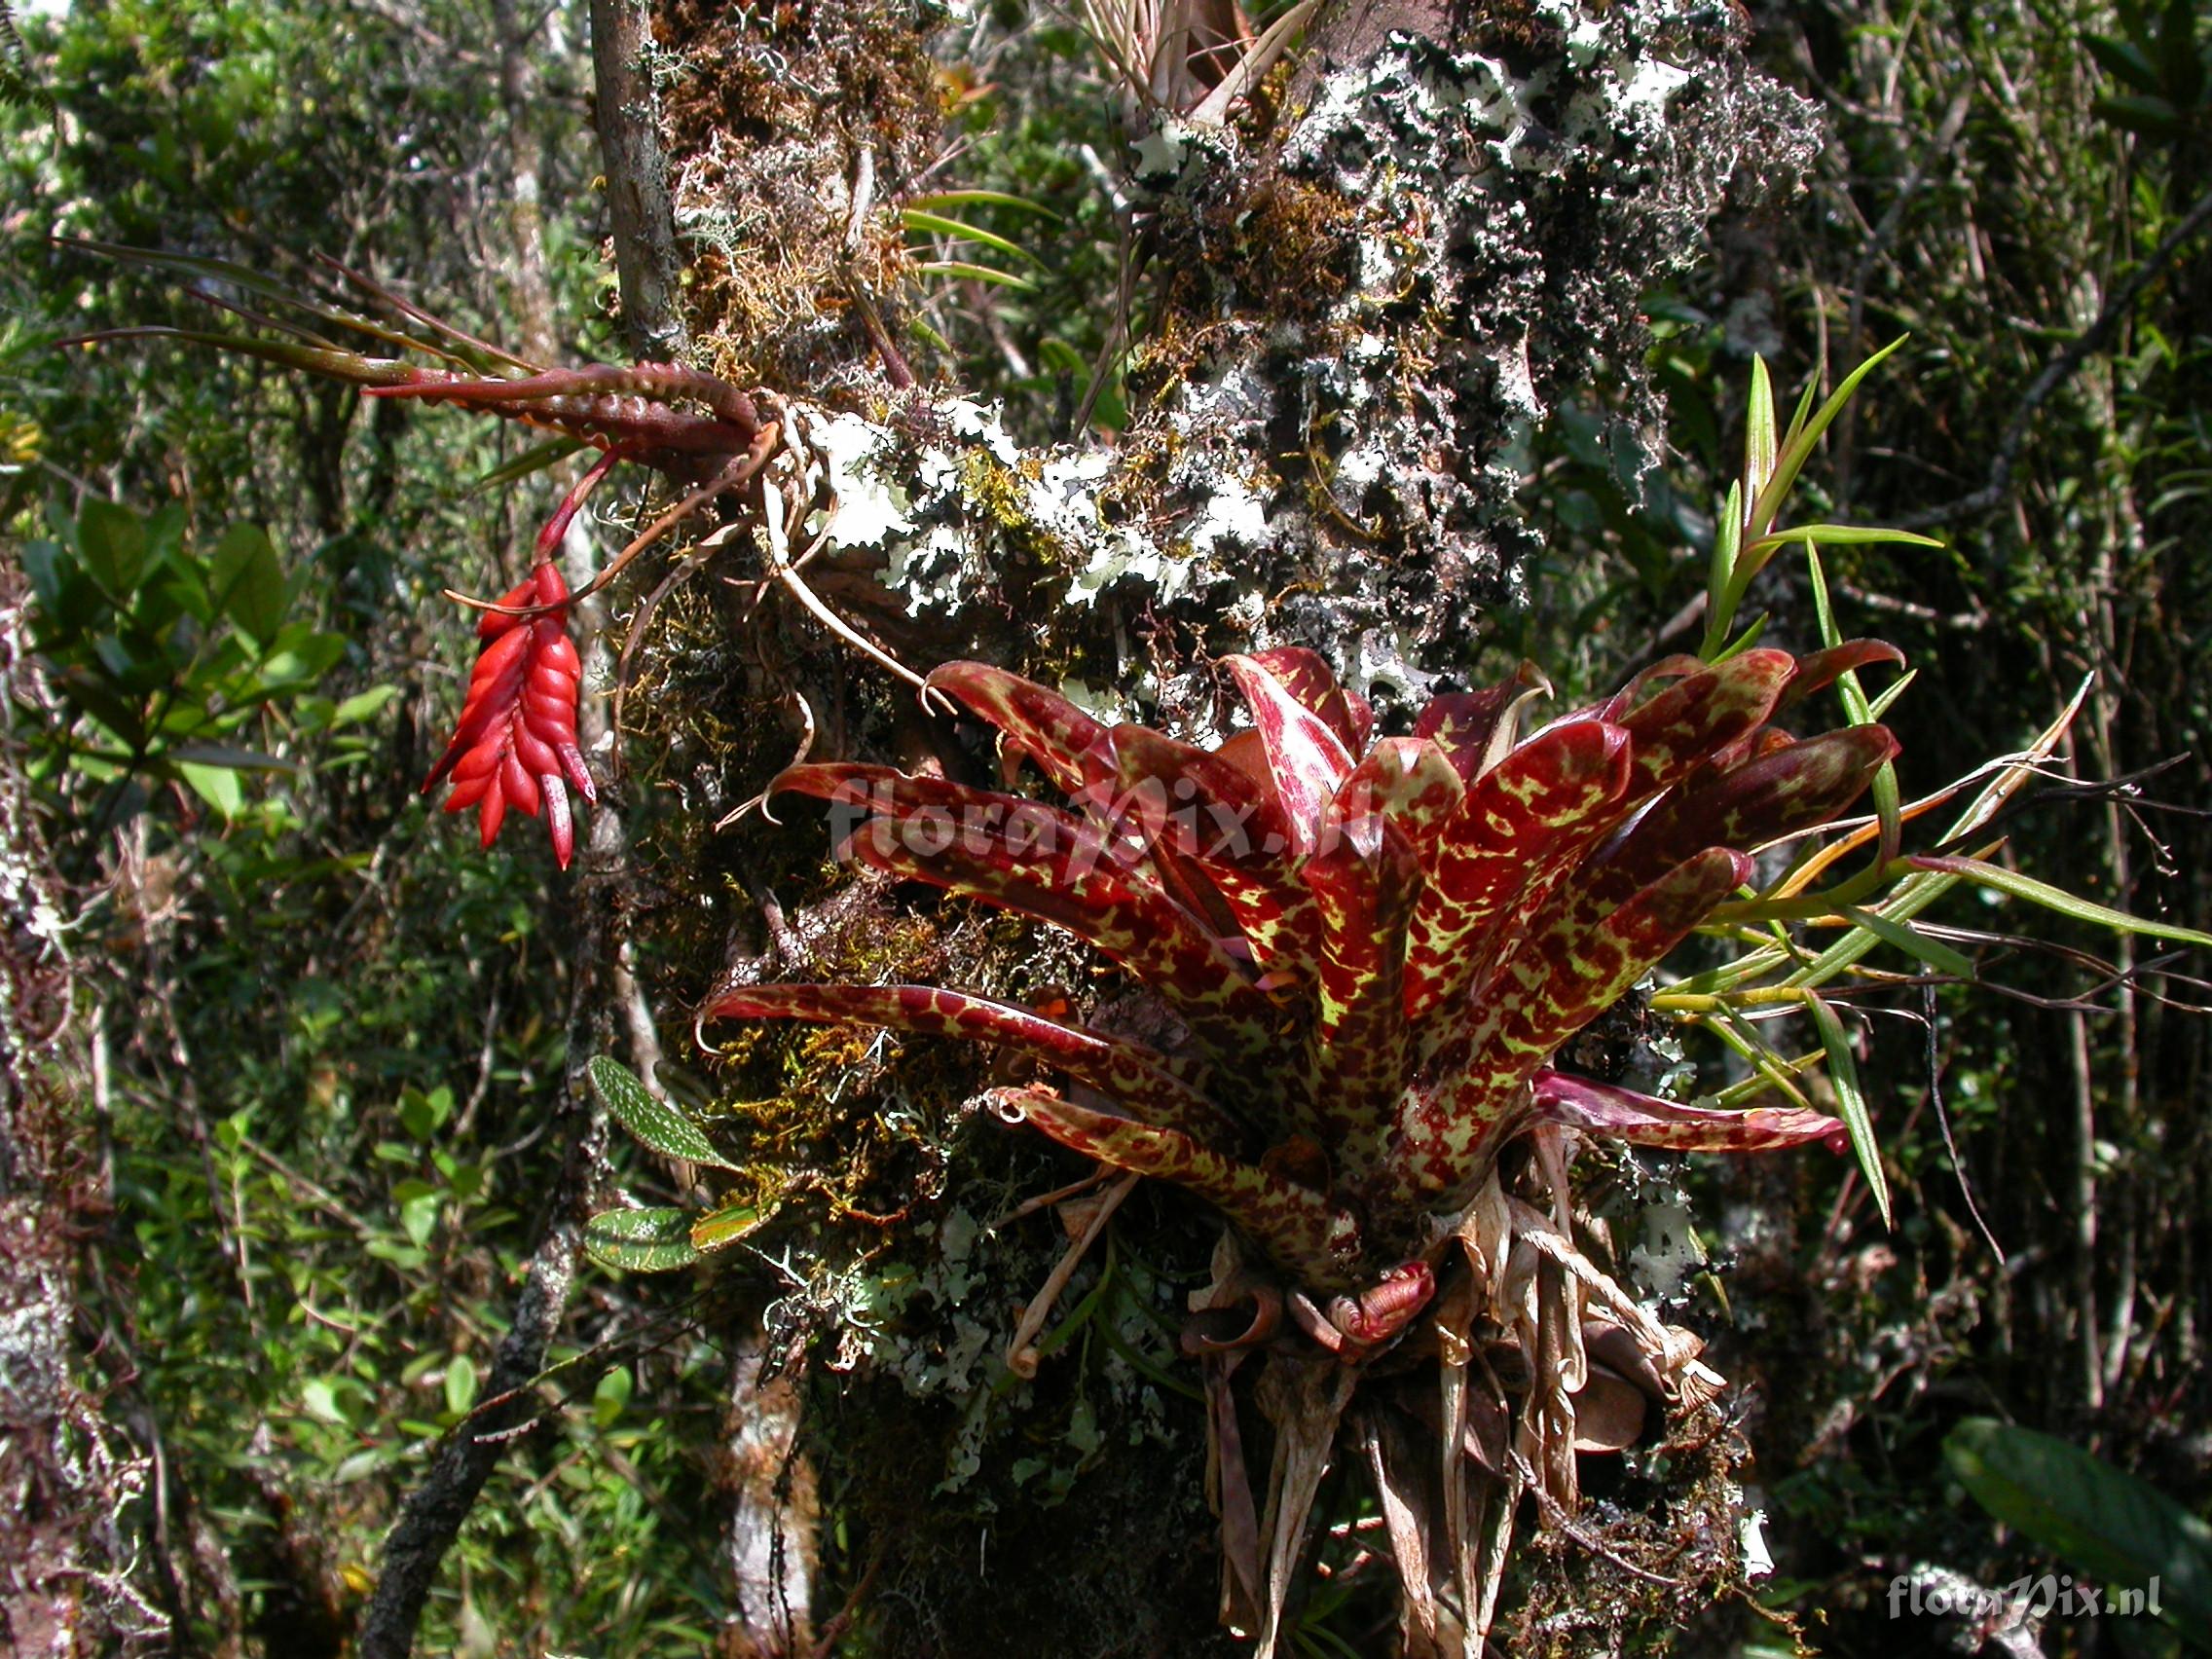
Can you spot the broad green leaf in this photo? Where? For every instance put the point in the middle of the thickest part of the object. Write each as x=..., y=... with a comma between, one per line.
x=461, y=1385
x=2111, y=1525
x=641, y=1241
x=723, y=1227
x=419, y=1206
x=217, y=785
x=111, y=543
x=2057, y=899
x=661, y=1127
x=248, y=583
x=320, y=1396
x=1851, y=1101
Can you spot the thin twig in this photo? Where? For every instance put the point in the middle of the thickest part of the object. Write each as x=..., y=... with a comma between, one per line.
x=2060, y=370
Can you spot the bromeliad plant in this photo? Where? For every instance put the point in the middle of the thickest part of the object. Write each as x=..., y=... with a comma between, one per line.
x=1375, y=949
x=1374, y=952
x=515, y=747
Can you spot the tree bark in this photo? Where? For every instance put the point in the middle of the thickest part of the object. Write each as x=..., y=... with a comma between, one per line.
x=646, y=261
x=1366, y=306
x=69, y=1479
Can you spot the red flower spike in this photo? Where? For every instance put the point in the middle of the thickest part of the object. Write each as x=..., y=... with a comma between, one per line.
x=515, y=746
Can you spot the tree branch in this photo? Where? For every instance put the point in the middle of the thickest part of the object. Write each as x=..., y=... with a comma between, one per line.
x=647, y=259
x=2061, y=369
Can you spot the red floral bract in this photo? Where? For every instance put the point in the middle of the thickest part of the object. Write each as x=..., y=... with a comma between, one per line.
x=515, y=746
x=1376, y=947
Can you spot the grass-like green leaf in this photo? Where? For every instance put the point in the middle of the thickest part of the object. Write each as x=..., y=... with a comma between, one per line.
x=959, y=230
x=641, y=1241
x=2050, y=898
x=944, y=199
x=536, y=458
x=1797, y=446
x=961, y=268
x=1912, y=941
x=1889, y=805
x=1834, y=535
x=1851, y=1100
x=1880, y=705
x=1760, y=445
x=1727, y=537
x=661, y=1127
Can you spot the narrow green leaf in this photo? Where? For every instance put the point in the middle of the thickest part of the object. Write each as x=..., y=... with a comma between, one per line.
x=1799, y=450
x=2152, y=117
x=238, y=759
x=723, y=1227
x=1879, y=705
x=973, y=272
x=959, y=230
x=1727, y=535
x=1759, y=444
x=982, y=198
x=1803, y=411
x=661, y=1127
x=1912, y=941
x=1775, y=1069
x=1834, y=535
x=2057, y=899
x=641, y=1241
x=1851, y=1101
x=2125, y=59
x=1743, y=641
x=2112, y=1526
x=111, y=543
x=1888, y=803
x=536, y=458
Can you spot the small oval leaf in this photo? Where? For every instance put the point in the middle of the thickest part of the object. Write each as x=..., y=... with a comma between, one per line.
x=461, y=1385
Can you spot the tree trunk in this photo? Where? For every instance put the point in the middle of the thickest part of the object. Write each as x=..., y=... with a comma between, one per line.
x=70, y=1485
x=1370, y=292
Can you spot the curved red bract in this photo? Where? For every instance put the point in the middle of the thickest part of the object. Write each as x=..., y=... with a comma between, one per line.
x=515, y=746
x=1375, y=947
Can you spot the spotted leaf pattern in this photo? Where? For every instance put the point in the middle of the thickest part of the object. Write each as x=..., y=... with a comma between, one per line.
x=1373, y=949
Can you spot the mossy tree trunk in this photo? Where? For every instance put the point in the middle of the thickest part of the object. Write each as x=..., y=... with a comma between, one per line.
x=1369, y=293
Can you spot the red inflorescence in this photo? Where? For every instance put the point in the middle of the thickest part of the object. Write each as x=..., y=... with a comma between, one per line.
x=516, y=744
